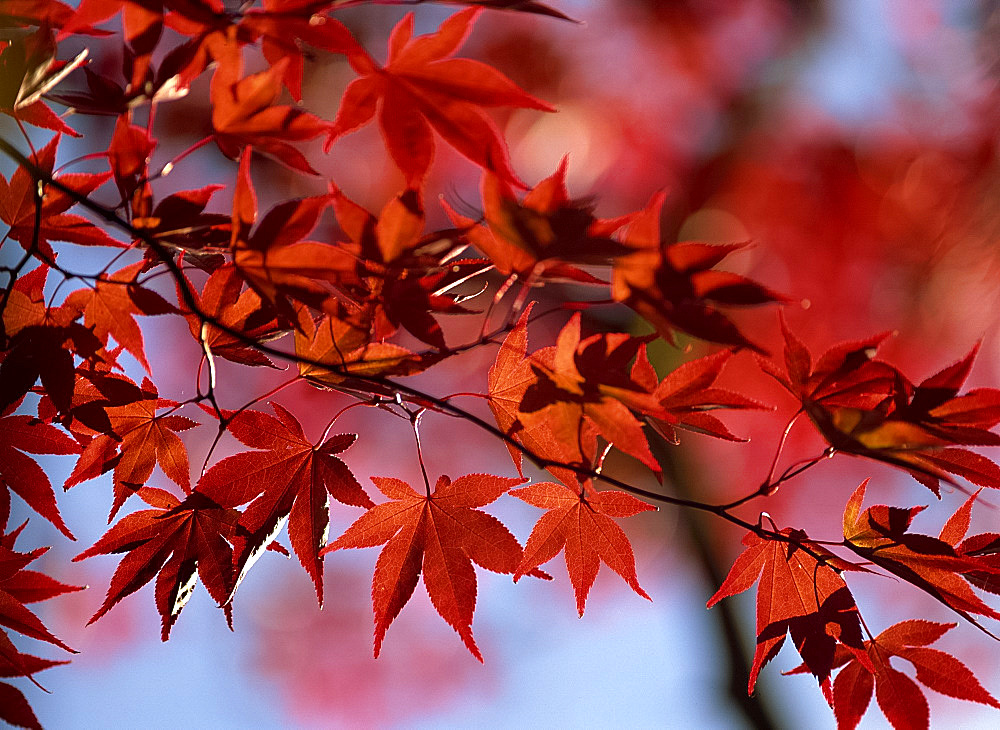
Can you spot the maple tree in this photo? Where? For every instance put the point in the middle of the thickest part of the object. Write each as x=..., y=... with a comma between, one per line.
x=326, y=295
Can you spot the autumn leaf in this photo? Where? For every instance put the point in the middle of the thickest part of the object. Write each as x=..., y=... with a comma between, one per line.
x=340, y=354
x=21, y=435
x=179, y=221
x=900, y=697
x=17, y=206
x=224, y=299
x=544, y=235
x=401, y=275
x=590, y=379
x=984, y=548
x=675, y=286
x=274, y=259
x=128, y=155
x=282, y=25
x=244, y=113
x=30, y=70
x=109, y=308
x=579, y=523
x=175, y=542
x=799, y=595
x=866, y=407
x=42, y=343
x=19, y=586
x=289, y=479
x=139, y=439
x=880, y=534
x=438, y=534
x=688, y=394
x=420, y=89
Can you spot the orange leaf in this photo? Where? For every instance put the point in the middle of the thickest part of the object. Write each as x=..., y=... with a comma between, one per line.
x=439, y=534
x=420, y=89
x=580, y=524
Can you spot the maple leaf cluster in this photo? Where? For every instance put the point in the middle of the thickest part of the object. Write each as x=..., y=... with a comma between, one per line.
x=359, y=301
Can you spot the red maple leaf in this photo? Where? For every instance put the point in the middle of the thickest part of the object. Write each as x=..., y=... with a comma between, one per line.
x=180, y=221
x=19, y=586
x=29, y=70
x=984, y=547
x=17, y=206
x=138, y=440
x=797, y=594
x=590, y=379
x=900, y=697
x=274, y=259
x=866, y=407
x=675, y=286
x=291, y=480
x=438, y=534
x=21, y=474
x=175, y=542
x=110, y=306
x=579, y=523
x=282, y=24
x=509, y=378
x=421, y=88
x=244, y=112
x=41, y=344
x=340, y=354
x=880, y=534
x=399, y=270
x=541, y=236
x=224, y=300
x=687, y=395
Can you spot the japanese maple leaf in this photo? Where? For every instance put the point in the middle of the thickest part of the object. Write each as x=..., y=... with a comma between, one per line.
x=244, y=113
x=542, y=235
x=984, y=547
x=17, y=206
x=139, y=440
x=900, y=697
x=47, y=13
x=507, y=382
x=865, y=407
x=110, y=306
x=21, y=474
x=175, y=542
x=341, y=355
x=420, y=89
x=399, y=270
x=687, y=395
x=797, y=594
x=179, y=221
x=579, y=523
x=19, y=586
x=282, y=25
x=438, y=534
x=41, y=344
x=28, y=70
x=290, y=479
x=589, y=378
x=225, y=300
x=128, y=154
x=675, y=287
x=274, y=259
x=881, y=535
